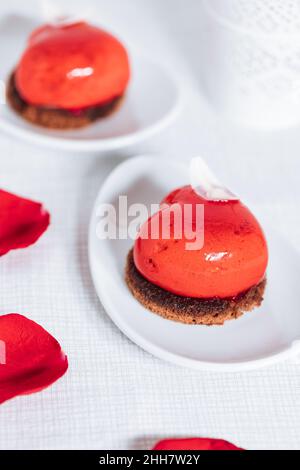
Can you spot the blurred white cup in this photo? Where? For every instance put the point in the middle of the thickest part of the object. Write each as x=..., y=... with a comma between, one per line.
x=250, y=55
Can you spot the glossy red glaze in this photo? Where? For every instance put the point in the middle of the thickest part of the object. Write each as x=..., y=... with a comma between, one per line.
x=233, y=258
x=72, y=67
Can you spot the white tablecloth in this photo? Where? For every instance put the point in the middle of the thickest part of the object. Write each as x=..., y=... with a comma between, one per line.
x=115, y=395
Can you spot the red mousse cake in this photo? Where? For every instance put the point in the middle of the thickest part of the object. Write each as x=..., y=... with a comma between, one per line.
x=69, y=76
x=219, y=281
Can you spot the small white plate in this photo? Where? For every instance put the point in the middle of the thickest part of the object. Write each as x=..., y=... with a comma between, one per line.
x=152, y=102
x=258, y=338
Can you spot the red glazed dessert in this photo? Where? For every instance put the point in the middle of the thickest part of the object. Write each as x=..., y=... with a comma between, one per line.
x=215, y=282
x=69, y=75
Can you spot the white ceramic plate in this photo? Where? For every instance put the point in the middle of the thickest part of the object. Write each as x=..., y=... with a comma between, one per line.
x=152, y=101
x=258, y=338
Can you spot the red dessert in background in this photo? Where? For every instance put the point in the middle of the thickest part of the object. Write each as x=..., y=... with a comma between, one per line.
x=233, y=259
x=70, y=75
x=71, y=67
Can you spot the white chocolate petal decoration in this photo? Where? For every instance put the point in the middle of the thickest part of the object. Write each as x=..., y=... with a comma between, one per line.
x=55, y=15
x=206, y=184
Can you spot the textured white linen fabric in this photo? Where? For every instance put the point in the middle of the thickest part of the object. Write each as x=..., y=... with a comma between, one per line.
x=115, y=395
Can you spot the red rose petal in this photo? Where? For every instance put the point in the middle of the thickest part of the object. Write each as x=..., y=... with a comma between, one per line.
x=195, y=444
x=30, y=358
x=22, y=222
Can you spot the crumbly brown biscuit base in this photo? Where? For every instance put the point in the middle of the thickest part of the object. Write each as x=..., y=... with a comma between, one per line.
x=187, y=309
x=57, y=118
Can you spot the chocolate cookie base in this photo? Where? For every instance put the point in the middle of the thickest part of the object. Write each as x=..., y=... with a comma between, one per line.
x=189, y=310
x=57, y=118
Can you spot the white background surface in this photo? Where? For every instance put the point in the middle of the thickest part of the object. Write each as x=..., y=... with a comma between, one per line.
x=114, y=394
